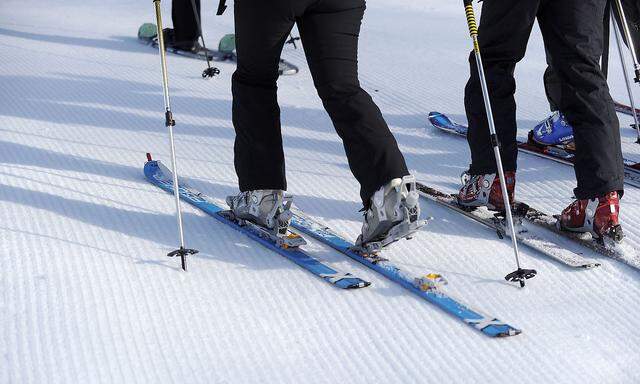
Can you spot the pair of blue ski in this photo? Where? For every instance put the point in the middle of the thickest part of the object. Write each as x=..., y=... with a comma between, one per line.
x=161, y=176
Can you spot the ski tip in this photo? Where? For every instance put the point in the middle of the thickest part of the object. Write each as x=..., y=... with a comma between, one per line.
x=493, y=327
x=149, y=157
x=356, y=283
x=500, y=330
x=440, y=120
x=509, y=332
x=434, y=114
x=352, y=283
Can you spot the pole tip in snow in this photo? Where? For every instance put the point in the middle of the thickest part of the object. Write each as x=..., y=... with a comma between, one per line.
x=521, y=275
x=149, y=157
x=210, y=72
x=183, y=253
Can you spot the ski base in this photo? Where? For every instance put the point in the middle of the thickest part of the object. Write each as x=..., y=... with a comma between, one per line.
x=427, y=287
x=162, y=177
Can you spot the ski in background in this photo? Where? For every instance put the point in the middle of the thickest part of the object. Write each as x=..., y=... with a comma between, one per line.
x=625, y=109
x=526, y=234
x=428, y=287
x=621, y=252
x=561, y=154
x=162, y=177
x=225, y=51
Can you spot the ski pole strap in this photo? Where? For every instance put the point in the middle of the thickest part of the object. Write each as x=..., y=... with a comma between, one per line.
x=221, y=7
x=494, y=140
x=168, y=119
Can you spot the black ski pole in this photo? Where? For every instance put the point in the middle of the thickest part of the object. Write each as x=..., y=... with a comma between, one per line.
x=170, y=123
x=625, y=71
x=627, y=36
x=604, y=60
x=519, y=275
x=210, y=71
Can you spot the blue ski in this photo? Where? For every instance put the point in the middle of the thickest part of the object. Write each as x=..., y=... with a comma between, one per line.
x=551, y=152
x=161, y=176
x=432, y=293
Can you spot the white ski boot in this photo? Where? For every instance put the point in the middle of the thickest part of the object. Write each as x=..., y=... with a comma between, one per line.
x=269, y=211
x=393, y=215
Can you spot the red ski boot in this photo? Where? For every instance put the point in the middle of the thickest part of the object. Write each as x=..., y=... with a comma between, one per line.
x=485, y=190
x=598, y=216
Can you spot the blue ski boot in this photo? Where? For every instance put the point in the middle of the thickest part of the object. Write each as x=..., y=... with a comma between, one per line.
x=555, y=130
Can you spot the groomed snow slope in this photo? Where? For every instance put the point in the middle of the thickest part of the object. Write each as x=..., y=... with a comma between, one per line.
x=88, y=295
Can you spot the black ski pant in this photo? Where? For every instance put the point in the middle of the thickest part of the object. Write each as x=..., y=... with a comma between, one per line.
x=631, y=8
x=185, y=26
x=572, y=33
x=329, y=32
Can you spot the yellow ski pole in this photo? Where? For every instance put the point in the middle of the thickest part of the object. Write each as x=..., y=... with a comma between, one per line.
x=519, y=275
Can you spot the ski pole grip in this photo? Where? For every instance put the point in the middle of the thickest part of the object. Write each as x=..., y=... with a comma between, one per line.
x=471, y=18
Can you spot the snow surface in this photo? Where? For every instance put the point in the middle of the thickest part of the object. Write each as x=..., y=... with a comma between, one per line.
x=88, y=295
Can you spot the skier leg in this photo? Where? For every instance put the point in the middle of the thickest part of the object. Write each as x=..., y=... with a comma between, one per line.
x=553, y=130
x=503, y=35
x=572, y=31
x=329, y=31
x=185, y=28
x=260, y=29
x=551, y=86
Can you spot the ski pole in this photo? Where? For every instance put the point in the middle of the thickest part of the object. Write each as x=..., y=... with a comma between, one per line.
x=627, y=36
x=209, y=72
x=170, y=123
x=625, y=71
x=606, y=36
x=519, y=275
